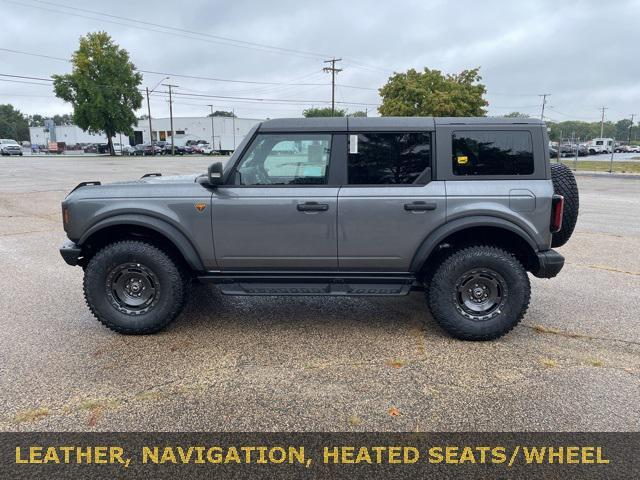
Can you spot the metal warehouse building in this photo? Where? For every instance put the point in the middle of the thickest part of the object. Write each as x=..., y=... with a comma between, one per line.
x=227, y=132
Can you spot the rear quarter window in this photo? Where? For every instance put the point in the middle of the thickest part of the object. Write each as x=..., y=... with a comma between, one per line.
x=492, y=153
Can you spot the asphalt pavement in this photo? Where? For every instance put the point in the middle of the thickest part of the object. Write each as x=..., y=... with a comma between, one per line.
x=305, y=363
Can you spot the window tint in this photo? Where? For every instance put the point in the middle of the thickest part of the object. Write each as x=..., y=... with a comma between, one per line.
x=492, y=153
x=388, y=158
x=286, y=159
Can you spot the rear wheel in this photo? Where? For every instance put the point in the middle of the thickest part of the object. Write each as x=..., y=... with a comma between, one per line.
x=133, y=287
x=479, y=293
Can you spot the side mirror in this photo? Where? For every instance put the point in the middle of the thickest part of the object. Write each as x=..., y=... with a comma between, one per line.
x=215, y=173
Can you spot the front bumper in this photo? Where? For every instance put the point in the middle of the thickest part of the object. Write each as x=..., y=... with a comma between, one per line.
x=550, y=263
x=70, y=252
x=11, y=151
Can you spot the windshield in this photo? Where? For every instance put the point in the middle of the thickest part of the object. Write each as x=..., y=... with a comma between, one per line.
x=6, y=140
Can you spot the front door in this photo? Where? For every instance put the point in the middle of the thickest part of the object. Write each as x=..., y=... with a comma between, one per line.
x=276, y=210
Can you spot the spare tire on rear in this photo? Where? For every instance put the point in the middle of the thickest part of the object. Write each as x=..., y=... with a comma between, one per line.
x=564, y=183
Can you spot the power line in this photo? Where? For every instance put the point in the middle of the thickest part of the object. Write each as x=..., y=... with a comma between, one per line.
x=255, y=99
x=186, y=33
x=203, y=77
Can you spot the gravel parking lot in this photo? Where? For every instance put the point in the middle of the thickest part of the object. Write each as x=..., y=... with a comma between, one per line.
x=312, y=364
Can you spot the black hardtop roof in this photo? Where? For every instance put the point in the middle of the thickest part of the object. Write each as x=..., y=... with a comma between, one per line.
x=343, y=124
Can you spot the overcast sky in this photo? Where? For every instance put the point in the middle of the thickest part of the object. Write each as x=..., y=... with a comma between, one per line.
x=584, y=53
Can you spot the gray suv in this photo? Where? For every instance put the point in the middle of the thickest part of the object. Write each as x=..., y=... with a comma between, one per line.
x=460, y=208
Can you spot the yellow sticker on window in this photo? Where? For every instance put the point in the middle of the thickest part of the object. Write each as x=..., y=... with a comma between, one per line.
x=463, y=159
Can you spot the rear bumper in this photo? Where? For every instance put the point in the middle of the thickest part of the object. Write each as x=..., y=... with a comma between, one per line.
x=550, y=263
x=70, y=252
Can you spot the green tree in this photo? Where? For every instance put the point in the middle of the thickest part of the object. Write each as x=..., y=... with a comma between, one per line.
x=517, y=115
x=221, y=113
x=432, y=93
x=623, y=129
x=36, y=120
x=102, y=87
x=358, y=113
x=580, y=130
x=323, y=112
x=65, y=119
x=13, y=124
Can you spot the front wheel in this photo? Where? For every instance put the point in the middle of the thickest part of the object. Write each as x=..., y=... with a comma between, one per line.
x=479, y=293
x=134, y=288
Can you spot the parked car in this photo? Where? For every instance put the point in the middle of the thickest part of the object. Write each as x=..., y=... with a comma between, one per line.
x=384, y=223
x=10, y=147
x=150, y=149
x=177, y=149
x=138, y=150
x=128, y=150
x=634, y=148
x=622, y=149
x=206, y=150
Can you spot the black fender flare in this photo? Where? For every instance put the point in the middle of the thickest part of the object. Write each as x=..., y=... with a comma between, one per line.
x=164, y=228
x=442, y=232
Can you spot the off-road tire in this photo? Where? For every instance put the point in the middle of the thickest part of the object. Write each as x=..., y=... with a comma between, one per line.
x=170, y=279
x=444, y=301
x=564, y=183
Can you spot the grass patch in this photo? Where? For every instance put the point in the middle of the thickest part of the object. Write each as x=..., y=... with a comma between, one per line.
x=594, y=362
x=396, y=363
x=355, y=421
x=97, y=404
x=32, y=415
x=548, y=362
x=594, y=166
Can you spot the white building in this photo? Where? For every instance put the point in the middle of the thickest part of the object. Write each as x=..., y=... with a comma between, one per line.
x=227, y=132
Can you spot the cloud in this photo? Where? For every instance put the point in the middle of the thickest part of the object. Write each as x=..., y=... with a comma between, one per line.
x=582, y=52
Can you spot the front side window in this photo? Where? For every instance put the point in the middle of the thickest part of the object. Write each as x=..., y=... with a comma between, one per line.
x=492, y=153
x=285, y=159
x=388, y=158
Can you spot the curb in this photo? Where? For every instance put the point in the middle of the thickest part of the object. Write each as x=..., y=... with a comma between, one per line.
x=587, y=173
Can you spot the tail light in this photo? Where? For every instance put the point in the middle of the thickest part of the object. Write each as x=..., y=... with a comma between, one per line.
x=65, y=215
x=557, y=209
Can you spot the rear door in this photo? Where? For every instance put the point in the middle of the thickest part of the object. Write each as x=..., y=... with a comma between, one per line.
x=389, y=203
x=277, y=210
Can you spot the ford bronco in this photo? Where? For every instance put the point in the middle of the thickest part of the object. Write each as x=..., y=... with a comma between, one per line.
x=460, y=208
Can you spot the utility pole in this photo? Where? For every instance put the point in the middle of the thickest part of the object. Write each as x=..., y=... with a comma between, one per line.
x=213, y=138
x=631, y=127
x=333, y=71
x=173, y=147
x=149, y=108
x=602, y=121
x=544, y=102
x=149, y=114
x=233, y=111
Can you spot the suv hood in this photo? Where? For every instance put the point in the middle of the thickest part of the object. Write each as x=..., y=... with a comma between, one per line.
x=150, y=186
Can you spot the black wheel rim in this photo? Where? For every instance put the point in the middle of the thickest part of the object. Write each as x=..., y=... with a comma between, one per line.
x=132, y=288
x=480, y=294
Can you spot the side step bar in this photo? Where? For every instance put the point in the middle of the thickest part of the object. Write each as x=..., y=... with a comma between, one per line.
x=316, y=284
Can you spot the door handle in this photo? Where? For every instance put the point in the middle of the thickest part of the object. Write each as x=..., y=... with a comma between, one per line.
x=312, y=207
x=420, y=206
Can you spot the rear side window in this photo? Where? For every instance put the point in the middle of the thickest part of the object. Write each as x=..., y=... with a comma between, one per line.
x=492, y=153
x=388, y=158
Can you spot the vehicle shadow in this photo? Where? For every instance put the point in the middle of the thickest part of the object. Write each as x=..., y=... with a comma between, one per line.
x=208, y=310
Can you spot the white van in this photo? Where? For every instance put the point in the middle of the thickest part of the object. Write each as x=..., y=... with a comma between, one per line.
x=601, y=145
